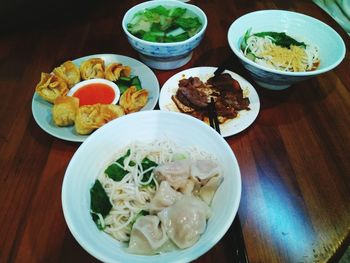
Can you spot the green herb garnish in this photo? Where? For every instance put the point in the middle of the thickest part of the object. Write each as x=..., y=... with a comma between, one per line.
x=281, y=39
x=147, y=164
x=135, y=81
x=278, y=38
x=124, y=83
x=99, y=203
x=115, y=170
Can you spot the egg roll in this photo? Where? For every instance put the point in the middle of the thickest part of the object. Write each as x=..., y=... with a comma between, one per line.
x=51, y=86
x=64, y=110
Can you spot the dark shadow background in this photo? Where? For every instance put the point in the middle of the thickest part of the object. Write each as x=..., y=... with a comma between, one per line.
x=18, y=15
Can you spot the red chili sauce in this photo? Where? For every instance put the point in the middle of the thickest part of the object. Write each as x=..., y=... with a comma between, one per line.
x=95, y=93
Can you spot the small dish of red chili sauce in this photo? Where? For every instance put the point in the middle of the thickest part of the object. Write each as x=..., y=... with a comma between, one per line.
x=93, y=91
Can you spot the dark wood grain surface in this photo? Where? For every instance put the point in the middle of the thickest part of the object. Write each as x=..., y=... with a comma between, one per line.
x=294, y=159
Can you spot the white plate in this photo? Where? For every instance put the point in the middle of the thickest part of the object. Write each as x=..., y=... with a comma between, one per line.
x=42, y=109
x=245, y=117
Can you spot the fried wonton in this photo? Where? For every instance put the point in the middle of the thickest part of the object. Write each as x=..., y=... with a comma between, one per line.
x=91, y=117
x=92, y=68
x=64, y=110
x=116, y=70
x=51, y=86
x=133, y=100
x=69, y=72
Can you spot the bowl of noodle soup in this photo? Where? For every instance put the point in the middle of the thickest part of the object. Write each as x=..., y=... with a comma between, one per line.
x=323, y=48
x=161, y=136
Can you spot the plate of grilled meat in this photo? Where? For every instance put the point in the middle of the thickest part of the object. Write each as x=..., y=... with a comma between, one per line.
x=190, y=92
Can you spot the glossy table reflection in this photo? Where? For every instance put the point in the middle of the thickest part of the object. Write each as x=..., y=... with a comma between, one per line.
x=294, y=159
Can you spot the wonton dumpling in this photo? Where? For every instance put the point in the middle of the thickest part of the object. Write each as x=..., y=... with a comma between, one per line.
x=207, y=192
x=190, y=187
x=175, y=173
x=64, y=110
x=147, y=235
x=133, y=100
x=116, y=70
x=91, y=117
x=185, y=220
x=51, y=87
x=204, y=169
x=110, y=112
x=164, y=197
x=92, y=68
x=69, y=72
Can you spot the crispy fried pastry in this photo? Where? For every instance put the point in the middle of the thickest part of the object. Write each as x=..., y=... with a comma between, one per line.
x=69, y=72
x=91, y=117
x=92, y=68
x=116, y=70
x=64, y=110
x=133, y=100
x=111, y=111
x=51, y=86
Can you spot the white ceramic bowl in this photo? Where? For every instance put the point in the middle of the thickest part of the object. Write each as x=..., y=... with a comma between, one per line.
x=165, y=56
x=93, y=155
x=310, y=30
x=84, y=83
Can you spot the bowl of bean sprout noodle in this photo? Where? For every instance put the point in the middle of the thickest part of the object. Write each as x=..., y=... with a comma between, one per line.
x=160, y=136
x=280, y=48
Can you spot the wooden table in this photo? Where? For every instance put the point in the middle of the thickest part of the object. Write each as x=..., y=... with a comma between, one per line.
x=294, y=159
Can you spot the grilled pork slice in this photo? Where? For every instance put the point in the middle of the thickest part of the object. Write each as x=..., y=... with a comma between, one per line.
x=224, y=82
x=188, y=110
x=192, y=92
x=195, y=82
x=193, y=96
x=225, y=110
x=231, y=94
x=235, y=100
x=181, y=106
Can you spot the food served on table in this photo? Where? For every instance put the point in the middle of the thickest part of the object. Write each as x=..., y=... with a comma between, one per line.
x=116, y=70
x=93, y=110
x=51, y=87
x=95, y=92
x=193, y=97
x=279, y=51
x=162, y=24
x=92, y=68
x=133, y=99
x=92, y=117
x=156, y=196
x=69, y=72
x=64, y=110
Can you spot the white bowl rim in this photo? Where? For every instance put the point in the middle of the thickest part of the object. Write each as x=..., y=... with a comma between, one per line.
x=147, y=3
x=287, y=73
x=97, y=80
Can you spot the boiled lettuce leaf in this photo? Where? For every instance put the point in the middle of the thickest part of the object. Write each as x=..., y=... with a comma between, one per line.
x=281, y=39
x=115, y=172
x=188, y=22
x=99, y=203
x=146, y=164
